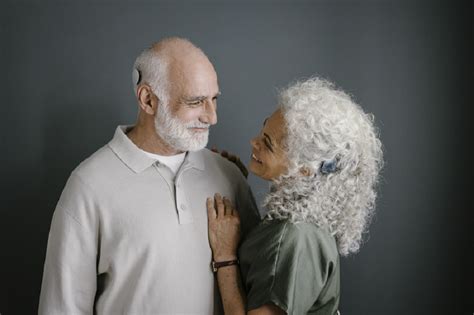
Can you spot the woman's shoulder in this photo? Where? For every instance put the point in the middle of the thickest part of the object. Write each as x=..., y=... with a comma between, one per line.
x=283, y=257
x=303, y=230
x=302, y=236
x=293, y=230
x=273, y=237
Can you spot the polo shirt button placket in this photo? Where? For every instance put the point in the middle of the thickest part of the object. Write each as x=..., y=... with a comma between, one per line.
x=185, y=216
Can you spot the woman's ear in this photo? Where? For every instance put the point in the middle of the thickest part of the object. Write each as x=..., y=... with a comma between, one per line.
x=147, y=100
x=305, y=171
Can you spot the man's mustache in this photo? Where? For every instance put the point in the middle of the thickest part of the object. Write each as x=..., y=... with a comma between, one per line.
x=198, y=125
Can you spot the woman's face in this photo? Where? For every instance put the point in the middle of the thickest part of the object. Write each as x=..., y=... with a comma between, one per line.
x=269, y=159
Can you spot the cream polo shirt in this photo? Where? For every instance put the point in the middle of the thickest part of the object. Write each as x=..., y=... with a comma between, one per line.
x=126, y=238
x=173, y=162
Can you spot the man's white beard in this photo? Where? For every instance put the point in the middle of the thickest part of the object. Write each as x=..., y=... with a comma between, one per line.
x=178, y=134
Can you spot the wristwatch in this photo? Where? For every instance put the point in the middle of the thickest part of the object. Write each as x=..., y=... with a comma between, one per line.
x=218, y=264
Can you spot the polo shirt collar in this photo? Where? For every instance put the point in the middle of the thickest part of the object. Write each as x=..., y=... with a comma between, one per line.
x=195, y=159
x=128, y=152
x=136, y=160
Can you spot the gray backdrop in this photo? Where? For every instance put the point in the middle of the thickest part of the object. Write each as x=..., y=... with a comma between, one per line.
x=66, y=84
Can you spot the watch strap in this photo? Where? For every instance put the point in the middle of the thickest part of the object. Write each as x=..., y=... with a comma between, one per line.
x=219, y=264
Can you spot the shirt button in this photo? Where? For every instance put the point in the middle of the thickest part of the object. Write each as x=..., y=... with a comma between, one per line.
x=183, y=207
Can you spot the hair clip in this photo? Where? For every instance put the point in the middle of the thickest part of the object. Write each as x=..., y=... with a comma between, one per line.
x=136, y=76
x=328, y=166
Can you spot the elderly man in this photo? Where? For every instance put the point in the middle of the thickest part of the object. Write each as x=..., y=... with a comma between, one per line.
x=129, y=233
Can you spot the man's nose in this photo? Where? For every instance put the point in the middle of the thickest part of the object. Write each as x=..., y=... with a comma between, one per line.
x=210, y=115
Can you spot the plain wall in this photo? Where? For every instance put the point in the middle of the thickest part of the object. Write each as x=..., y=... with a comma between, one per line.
x=66, y=85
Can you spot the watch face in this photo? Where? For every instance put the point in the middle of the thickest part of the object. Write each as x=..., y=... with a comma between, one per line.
x=213, y=266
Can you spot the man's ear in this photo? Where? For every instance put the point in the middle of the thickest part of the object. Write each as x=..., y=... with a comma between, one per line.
x=147, y=100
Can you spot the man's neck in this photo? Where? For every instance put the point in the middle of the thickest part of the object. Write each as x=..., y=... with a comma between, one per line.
x=148, y=140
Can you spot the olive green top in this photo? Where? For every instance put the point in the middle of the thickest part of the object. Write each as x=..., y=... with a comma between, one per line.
x=292, y=265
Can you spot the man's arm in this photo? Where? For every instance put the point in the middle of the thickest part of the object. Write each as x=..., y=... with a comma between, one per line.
x=70, y=272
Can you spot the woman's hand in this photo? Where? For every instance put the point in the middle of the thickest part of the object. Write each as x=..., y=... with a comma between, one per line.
x=234, y=159
x=224, y=228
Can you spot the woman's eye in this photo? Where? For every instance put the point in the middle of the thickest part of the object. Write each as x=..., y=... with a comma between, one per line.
x=267, y=144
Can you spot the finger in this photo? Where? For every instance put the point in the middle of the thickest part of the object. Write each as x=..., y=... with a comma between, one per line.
x=220, y=206
x=228, y=206
x=211, y=210
x=224, y=153
x=214, y=149
x=236, y=213
x=245, y=172
x=242, y=167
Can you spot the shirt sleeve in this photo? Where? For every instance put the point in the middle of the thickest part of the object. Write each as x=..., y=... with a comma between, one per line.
x=290, y=273
x=69, y=277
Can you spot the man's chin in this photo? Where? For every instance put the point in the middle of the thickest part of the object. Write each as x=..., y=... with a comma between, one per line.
x=195, y=145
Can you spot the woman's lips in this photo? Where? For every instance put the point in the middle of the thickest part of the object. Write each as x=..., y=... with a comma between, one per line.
x=254, y=157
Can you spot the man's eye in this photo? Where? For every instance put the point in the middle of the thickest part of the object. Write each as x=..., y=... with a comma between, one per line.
x=195, y=103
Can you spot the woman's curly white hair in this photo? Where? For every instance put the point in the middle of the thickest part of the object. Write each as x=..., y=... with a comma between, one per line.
x=324, y=125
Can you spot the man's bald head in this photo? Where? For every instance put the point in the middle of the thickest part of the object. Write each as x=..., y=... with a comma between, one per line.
x=166, y=62
x=176, y=49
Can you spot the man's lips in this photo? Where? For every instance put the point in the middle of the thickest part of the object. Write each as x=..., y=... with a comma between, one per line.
x=199, y=129
x=254, y=157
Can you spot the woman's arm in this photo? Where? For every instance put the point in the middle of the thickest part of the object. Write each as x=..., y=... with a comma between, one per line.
x=232, y=294
x=224, y=235
x=230, y=287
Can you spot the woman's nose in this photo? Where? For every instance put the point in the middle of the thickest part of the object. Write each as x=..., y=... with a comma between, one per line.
x=254, y=143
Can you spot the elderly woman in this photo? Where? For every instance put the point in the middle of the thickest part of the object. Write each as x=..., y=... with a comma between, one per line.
x=322, y=155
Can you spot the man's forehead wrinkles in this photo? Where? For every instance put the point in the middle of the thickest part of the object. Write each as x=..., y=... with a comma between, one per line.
x=199, y=96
